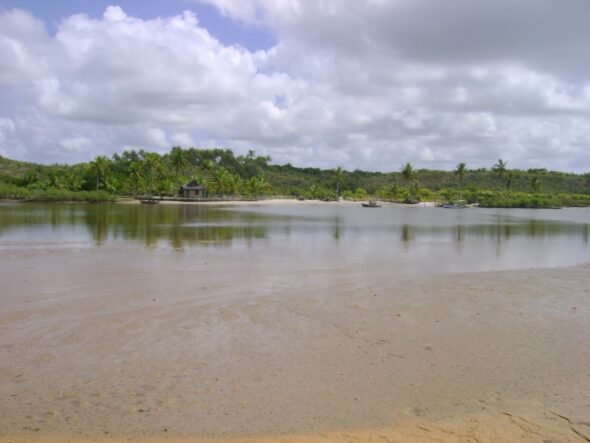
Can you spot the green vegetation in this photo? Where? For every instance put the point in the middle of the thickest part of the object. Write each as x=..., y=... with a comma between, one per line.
x=461, y=172
x=53, y=195
x=527, y=200
x=141, y=173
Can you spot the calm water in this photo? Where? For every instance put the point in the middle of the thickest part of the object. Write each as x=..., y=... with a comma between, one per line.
x=406, y=240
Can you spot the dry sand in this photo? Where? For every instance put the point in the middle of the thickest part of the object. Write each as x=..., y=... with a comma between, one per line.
x=120, y=345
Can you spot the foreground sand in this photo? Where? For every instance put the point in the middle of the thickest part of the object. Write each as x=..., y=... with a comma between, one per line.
x=493, y=426
x=112, y=345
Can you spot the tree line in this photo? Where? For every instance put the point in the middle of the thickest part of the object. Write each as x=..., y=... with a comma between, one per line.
x=141, y=173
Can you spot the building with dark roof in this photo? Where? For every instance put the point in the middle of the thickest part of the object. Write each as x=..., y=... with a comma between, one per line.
x=193, y=189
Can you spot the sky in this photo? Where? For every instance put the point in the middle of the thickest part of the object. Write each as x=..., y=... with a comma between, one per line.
x=362, y=84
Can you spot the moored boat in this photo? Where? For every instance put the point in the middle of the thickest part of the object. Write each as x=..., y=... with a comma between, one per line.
x=149, y=201
x=456, y=205
x=371, y=204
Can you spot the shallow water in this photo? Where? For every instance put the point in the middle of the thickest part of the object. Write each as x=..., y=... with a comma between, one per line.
x=407, y=240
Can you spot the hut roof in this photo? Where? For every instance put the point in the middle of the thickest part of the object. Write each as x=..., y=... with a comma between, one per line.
x=193, y=184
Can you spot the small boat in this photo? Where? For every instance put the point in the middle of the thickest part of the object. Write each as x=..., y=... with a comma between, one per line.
x=149, y=201
x=371, y=204
x=457, y=205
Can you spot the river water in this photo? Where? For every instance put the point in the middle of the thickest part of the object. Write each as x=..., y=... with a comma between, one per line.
x=407, y=240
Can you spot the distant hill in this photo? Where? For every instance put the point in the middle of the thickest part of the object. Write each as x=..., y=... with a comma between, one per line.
x=13, y=171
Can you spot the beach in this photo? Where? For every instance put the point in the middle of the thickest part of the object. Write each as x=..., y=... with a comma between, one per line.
x=280, y=202
x=137, y=351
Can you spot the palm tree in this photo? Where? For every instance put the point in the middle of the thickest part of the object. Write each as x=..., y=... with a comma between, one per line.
x=135, y=175
x=100, y=167
x=461, y=172
x=207, y=167
x=233, y=184
x=338, y=177
x=198, y=178
x=500, y=169
x=256, y=186
x=178, y=160
x=410, y=175
x=152, y=165
x=221, y=181
x=408, y=172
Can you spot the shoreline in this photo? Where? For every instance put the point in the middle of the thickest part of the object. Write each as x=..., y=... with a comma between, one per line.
x=262, y=202
x=282, y=201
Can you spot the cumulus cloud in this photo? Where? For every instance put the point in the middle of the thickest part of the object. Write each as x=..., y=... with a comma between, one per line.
x=360, y=84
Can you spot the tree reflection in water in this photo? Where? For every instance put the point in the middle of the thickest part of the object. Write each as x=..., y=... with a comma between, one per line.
x=339, y=229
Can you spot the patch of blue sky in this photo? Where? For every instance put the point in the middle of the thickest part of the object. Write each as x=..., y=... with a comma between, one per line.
x=226, y=30
x=281, y=102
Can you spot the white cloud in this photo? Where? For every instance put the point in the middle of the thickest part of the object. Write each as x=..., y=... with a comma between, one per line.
x=361, y=84
x=76, y=144
x=182, y=139
x=6, y=127
x=156, y=137
x=114, y=14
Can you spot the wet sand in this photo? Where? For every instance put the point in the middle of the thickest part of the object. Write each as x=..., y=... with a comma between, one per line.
x=488, y=426
x=116, y=344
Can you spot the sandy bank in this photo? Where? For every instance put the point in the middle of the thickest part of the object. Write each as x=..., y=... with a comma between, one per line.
x=280, y=201
x=96, y=341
